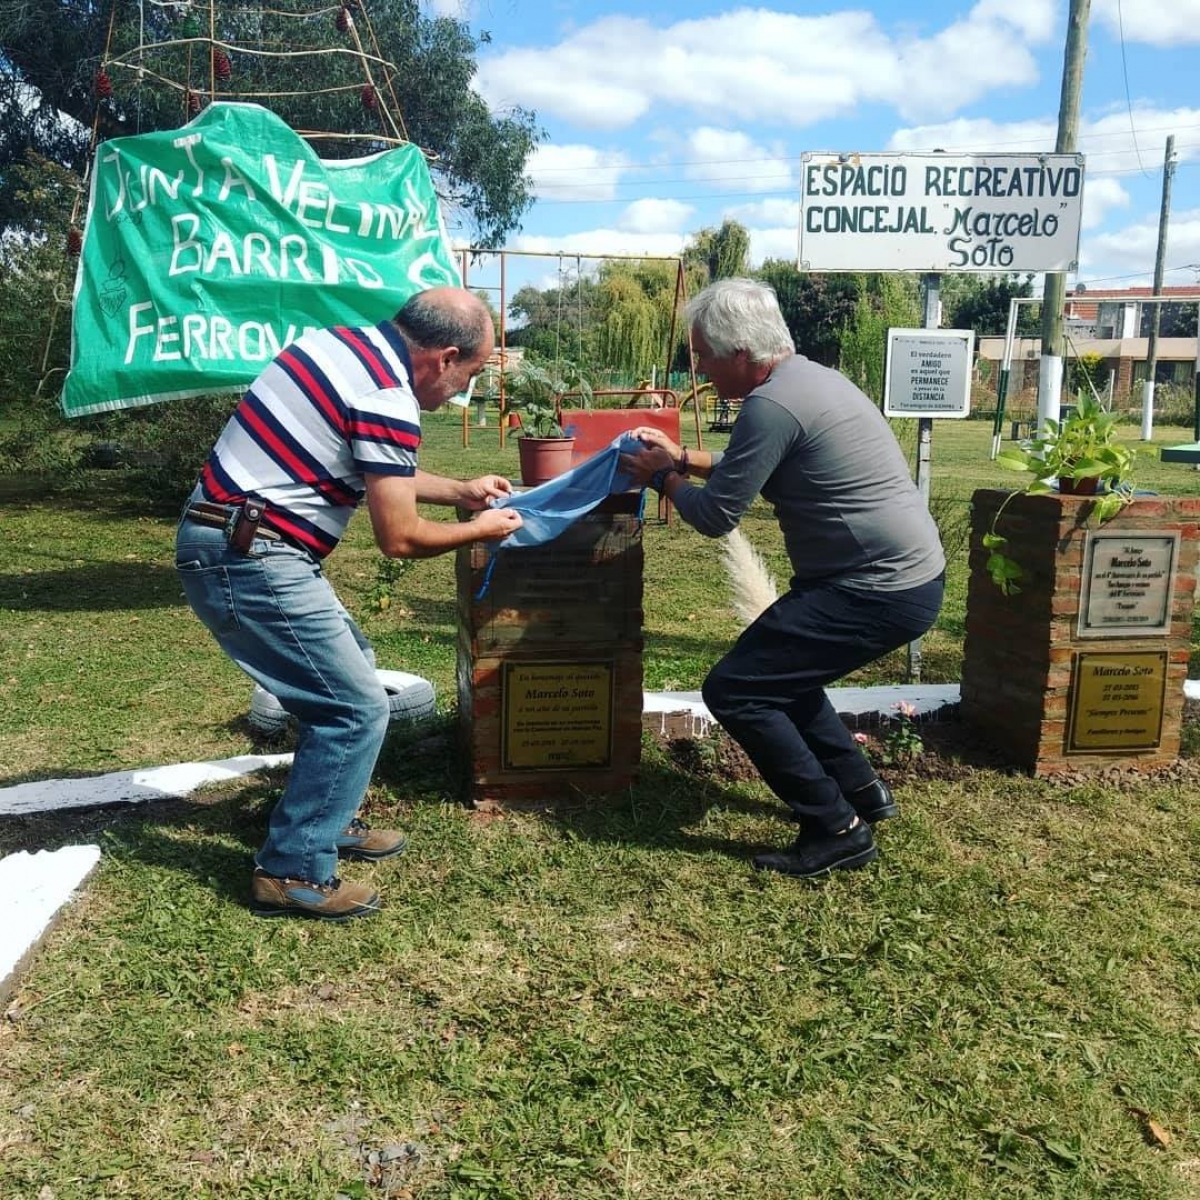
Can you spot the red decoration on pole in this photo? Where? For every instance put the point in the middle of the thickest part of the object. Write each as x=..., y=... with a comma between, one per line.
x=193, y=103
x=74, y=242
x=370, y=100
x=104, y=87
x=222, y=67
x=344, y=21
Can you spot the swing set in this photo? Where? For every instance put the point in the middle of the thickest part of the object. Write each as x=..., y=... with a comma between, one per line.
x=594, y=428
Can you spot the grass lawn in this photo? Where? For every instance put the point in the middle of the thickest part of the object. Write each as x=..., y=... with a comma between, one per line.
x=601, y=1001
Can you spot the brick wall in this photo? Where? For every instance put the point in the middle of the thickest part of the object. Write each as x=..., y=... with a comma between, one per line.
x=1021, y=650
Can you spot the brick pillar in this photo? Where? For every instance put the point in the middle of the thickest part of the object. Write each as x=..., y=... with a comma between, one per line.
x=1021, y=663
x=1124, y=384
x=550, y=662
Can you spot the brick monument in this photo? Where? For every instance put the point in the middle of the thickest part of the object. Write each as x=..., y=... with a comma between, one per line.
x=1085, y=666
x=550, y=661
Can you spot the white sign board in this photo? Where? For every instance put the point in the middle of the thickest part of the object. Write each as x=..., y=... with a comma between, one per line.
x=928, y=373
x=940, y=212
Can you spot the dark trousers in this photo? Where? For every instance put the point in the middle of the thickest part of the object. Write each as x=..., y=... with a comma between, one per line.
x=768, y=691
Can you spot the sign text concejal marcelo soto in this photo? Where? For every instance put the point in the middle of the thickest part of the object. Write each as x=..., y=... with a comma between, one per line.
x=940, y=212
x=209, y=248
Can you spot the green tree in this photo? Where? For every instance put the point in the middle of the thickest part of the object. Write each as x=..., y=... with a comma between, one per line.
x=817, y=308
x=884, y=302
x=720, y=253
x=53, y=49
x=981, y=303
x=1175, y=320
x=35, y=278
x=1088, y=374
x=557, y=322
x=636, y=301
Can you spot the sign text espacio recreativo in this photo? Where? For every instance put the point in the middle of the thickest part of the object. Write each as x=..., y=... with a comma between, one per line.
x=940, y=212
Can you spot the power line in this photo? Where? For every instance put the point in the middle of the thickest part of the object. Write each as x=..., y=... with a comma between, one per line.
x=1128, y=98
x=788, y=192
x=966, y=148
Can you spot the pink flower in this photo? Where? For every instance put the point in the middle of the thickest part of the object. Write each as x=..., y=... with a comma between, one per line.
x=861, y=739
x=905, y=709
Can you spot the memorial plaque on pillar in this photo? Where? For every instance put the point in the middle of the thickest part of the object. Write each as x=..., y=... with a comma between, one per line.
x=1117, y=701
x=1128, y=582
x=557, y=715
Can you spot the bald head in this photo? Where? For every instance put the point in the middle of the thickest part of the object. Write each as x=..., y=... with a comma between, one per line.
x=447, y=316
x=449, y=335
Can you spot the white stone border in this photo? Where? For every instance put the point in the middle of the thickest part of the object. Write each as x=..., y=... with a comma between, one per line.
x=33, y=890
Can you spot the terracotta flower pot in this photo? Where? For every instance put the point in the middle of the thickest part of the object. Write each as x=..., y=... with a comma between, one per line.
x=543, y=459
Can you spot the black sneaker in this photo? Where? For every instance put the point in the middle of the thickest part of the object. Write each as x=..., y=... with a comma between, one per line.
x=817, y=854
x=874, y=802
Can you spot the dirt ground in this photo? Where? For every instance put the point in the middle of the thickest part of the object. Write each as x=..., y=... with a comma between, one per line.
x=951, y=751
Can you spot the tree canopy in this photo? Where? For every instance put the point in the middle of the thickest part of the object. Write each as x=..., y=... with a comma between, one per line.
x=64, y=70
x=720, y=253
x=981, y=303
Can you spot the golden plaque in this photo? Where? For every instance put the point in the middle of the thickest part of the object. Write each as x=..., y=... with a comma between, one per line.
x=557, y=715
x=1117, y=702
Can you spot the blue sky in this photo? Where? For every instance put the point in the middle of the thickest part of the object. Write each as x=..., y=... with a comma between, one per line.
x=663, y=118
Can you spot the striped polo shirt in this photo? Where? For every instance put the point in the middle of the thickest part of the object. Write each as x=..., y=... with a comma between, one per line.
x=334, y=405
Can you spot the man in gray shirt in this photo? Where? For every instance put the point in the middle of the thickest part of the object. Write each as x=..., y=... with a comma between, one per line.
x=866, y=560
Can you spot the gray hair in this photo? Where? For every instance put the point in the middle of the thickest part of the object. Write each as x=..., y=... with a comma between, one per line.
x=441, y=317
x=741, y=314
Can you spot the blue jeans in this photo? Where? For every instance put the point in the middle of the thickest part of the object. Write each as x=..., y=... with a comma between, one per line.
x=275, y=615
x=768, y=692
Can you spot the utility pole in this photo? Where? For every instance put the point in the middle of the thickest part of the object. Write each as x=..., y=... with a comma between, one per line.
x=1050, y=375
x=1160, y=258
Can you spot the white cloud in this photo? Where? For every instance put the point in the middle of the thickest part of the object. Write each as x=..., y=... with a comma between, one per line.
x=759, y=64
x=575, y=172
x=767, y=212
x=460, y=10
x=1109, y=143
x=780, y=242
x=1100, y=197
x=1035, y=19
x=1133, y=248
x=1159, y=22
x=732, y=161
x=654, y=216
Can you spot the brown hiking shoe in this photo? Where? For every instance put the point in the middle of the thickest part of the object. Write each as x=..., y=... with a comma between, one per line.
x=334, y=900
x=359, y=840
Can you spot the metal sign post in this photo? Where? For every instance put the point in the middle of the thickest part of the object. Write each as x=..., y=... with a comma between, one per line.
x=932, y=288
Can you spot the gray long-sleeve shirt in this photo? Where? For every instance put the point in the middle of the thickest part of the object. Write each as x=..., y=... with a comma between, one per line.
x=824, y=457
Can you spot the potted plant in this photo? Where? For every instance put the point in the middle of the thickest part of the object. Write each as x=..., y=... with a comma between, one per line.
x=535, y=392
x=1079, y=456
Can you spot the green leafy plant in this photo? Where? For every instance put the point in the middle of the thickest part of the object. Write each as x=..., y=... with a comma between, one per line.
x=536, y=392
x=902, y=739
x=388, y=573
x=1083, y=447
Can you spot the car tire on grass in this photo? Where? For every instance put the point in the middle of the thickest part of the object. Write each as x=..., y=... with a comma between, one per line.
x=410, y=699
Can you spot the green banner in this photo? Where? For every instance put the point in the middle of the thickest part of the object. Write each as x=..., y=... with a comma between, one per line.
x=209, y=248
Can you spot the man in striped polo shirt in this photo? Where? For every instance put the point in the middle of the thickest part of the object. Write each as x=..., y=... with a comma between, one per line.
x=335, y=417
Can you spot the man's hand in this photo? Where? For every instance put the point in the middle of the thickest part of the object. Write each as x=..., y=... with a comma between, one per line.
x=656, y=437
x=495, y=524
x=644, y=463
x=477, y=492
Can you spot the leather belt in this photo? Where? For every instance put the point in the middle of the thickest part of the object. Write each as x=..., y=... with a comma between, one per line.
x=225, y=516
